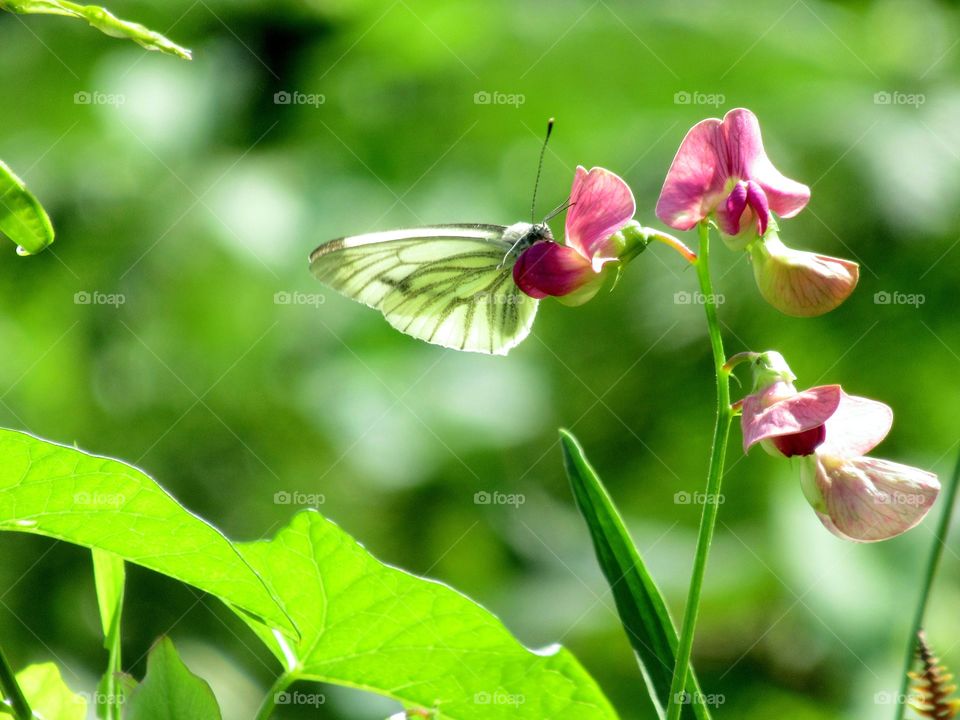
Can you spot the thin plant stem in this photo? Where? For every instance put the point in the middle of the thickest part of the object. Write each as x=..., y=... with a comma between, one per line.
x=711, y=505
x=933, y=563
x=270, y=701
x=11, y=692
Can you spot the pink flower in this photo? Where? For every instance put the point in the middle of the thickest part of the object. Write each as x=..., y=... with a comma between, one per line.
x=721, y=168
x=601, y=206
x=856, y=497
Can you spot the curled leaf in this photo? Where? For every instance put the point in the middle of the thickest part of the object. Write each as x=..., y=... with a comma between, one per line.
x=22, y=217
x=100, y=18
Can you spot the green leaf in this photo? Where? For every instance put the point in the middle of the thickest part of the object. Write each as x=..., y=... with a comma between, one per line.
x=640, y=603
x=101, y=19
x=22, y=217
x=110, y=576
x=169, y=690
x=368, y=625
x=49, y=696
x=97, y=502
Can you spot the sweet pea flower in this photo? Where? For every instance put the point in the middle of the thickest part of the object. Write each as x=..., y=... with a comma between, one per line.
x=721, y=169
x=601, y=205
x=722, y=172
x=857, y=498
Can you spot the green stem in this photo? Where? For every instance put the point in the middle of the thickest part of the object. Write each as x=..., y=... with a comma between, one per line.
x=708, y=519
x=933, y=563
x=270, y=701
x=11, y=691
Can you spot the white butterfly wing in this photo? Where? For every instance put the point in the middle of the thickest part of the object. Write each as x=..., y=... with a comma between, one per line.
x=448, y=285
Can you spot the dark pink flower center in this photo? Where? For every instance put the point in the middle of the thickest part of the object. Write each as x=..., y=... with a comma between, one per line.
x=801, y=443
x=744, y=195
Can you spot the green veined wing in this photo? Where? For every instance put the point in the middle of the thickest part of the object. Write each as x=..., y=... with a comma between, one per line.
x=450, y=285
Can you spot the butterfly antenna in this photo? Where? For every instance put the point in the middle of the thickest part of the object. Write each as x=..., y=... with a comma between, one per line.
x=536, y=184
x=565, y=205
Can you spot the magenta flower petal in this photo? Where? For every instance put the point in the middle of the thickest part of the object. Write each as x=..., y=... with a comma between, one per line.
x=757, y=200
x=548, y=268
x=602, y=204
x=867, y=500
x=798, y=413
x=858, y=426
x=730, y=211
x=714, y=155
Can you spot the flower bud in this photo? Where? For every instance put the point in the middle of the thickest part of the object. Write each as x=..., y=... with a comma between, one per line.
x=798, y=283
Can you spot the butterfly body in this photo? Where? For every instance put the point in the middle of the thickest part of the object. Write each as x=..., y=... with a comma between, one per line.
x=451, y=285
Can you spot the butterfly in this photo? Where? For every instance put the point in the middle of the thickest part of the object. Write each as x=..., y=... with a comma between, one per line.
x=450, y=285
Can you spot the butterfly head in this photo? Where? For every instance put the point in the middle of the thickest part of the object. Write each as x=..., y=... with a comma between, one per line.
x=522, y=235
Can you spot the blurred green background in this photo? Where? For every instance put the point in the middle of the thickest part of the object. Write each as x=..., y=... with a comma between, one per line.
x=189, y=191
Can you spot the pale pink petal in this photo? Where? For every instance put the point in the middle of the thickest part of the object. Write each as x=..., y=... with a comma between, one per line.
x=867, y=500
x=548, y=268
x=796, y=414
x=801, y=284
x=602, y=204
x=695, y=182
x=857, y=427
x=747, y=160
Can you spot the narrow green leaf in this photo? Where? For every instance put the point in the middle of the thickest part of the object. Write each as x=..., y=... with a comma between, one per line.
x=639, y=601
x=110, y=576
x=97, y=502
x=49, y=696
x=368, y=625
x=169, y=690
x=100, y=18
x=22, y=217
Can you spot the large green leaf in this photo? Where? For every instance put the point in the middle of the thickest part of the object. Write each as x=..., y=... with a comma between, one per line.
x=102, y=503
x=368, y=625
x=22, y=217
x=100, y=18
x=48, y=695
x=169, y=690
x=639, y=601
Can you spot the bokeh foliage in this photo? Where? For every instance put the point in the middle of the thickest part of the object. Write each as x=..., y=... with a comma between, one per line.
x=185, y=189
